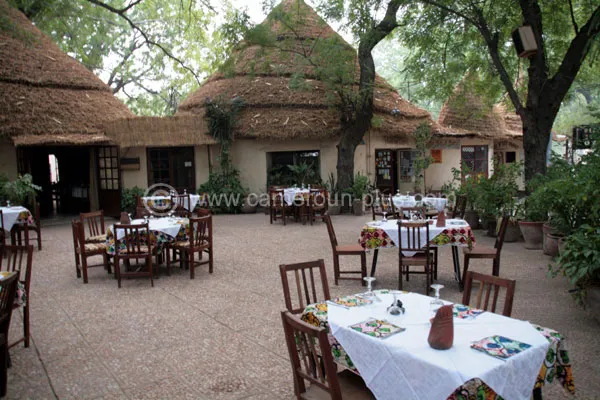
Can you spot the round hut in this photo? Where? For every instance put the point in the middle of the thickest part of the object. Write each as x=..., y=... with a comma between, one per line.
x=476, y=133
x=289, y=111
x=49, y=103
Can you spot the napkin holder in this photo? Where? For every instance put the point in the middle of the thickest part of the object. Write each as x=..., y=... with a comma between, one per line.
x=441, y=334
x=441, y=219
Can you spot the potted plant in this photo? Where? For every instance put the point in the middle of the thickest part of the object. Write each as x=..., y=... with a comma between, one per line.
x=534, y=217
x=464, y=183
x=21, y=191
x=359, y=188
x=334, y=207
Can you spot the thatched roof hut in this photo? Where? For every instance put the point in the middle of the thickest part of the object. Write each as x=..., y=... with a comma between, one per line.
x=47, y=97
x=466, y=114
x=283, y=96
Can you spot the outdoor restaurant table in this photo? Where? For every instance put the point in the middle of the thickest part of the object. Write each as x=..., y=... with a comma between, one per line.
x=404, y=366
x=290, y=194
x=162, y=231
x=15, y=215
x=165, y=201
x=439, y=203
x=456, y=233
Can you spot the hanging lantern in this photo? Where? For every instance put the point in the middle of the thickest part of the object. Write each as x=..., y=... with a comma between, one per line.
x=524, y=41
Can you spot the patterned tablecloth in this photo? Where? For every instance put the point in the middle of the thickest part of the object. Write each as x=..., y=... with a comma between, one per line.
x=158, y=236
x=15, y=215
x=375, y=237
x=556, y=365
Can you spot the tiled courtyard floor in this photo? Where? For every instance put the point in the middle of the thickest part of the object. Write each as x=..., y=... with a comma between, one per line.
x=219, y=336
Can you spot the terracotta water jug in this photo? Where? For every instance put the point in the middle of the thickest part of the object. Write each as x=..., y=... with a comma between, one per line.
x=441, y=219
x=441, y=334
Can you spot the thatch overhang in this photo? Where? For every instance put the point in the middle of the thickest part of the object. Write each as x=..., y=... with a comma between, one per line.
x=466, y=114
x=174, y=131
x=284, y=100
x=46, y=93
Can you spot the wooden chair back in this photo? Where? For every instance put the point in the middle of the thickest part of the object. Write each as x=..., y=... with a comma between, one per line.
x=487, y=283
x=131, y=240
x=8, y=293
x=384, y=203
x=460, y=206
x=200, y=232
x=276, y=198
x=94, y=221
x=310, y=355
x=413, y=240
x=411, y=212
x=330, y=231
x=75, y=227
x=179, y=203
x=18, y=259
x=203, y=212
x=305, y=283
x=2, y=232
x=318, y=198
x=501, y=233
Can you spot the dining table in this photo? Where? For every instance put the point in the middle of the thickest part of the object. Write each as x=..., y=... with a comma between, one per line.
x=292, y=193
x=161, y=232
x=438, y=203
x=164, y=202
x=15, y=215
x=455, y=233
x=492, y=356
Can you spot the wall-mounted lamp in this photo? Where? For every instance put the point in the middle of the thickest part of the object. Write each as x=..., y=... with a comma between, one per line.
x=524, y=41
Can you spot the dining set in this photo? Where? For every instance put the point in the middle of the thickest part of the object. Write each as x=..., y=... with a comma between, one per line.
x=137, y=247
x=384, y=343
x=303, y=204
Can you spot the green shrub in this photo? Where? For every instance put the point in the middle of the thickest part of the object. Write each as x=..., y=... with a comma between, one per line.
x=495, y=196
x=360, y=187
x=128, y=199
x=21, y=191
x=225, y=192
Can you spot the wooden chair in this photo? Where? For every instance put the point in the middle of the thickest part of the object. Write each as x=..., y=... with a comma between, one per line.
x=19, y=259
x=8, y=292
x=304, y=274
x=310, y=355
x=2, y=232
x=423, y=256
x=277, y=206
x=483, y=252
x=26, y=229
x=179, y=203
x=129, y=247
x=354, y=249
x=203, y=212
x=459, y=207
x=487, y=282
x=316, y=206
x=383, y=204
x=200, y=241
x=410, y=212
x=85, y=250
x=95, y=226
x=430, y=211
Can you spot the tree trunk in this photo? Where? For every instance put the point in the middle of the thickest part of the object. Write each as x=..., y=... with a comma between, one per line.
x=346, y=149
x=535, y=145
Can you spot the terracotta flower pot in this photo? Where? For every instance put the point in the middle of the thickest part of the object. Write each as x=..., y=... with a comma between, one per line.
x=513, y=232
x=358, y=207
x=551, y=244
x=533, y=234
x=472, y=218
x=561, y=244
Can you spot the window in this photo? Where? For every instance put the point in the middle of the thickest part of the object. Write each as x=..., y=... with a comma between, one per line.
x=279, y=172
x=108, y=168
x=407, y=171
x=510, y=157
x=172, y=166
x=476, y=159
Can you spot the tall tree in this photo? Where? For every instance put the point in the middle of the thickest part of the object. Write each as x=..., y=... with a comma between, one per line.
x=446, y=37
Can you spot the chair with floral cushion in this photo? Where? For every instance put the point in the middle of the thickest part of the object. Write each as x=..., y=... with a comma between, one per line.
x=304, y=276
x=19, y=259
x=94, y=221
x=383, y=204
x=85, y=250
x=179, y=203
x=418, y=244
x=27, y=229
x=132, y=242
x=8, y=290
x=200, y=240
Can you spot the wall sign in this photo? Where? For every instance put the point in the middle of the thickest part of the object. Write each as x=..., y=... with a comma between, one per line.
x=130, y=164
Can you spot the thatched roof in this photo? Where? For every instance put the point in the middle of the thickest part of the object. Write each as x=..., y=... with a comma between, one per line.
x=159, y=131
x=279, y=104
x=47, y=97
x=465, y=113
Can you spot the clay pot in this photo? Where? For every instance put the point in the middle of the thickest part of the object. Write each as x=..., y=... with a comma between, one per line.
x=513, y=233
x=358, y=207
x=441, y=334
x=561, y=244
x=472, y=218
x=532, y=233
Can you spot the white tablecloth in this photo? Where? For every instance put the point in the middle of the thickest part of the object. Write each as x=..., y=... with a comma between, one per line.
x=169, y=226
x=194, y=200
x=10, y=215
x=404, y=366
x=404, y=201
x=290, y=194
x=391, y=229
x=439, y=203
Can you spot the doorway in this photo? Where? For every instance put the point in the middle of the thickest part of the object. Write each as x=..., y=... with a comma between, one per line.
x=386, y=168
x=172, y=166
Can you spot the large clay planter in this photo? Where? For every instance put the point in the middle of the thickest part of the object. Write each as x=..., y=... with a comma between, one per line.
x=550, y=242
x=561, y=244
x=334, y=210
x=358, y=207
x=490, y=225
x=533, y=234
x=592, y=301
x=513, y=232
x=472, y=218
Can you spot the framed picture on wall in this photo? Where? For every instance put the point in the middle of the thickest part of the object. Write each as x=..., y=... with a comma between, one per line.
x=436, y=155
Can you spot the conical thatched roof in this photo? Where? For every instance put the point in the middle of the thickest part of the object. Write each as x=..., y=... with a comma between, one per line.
x=47, y=97
x=465, y=113
x=281, y=105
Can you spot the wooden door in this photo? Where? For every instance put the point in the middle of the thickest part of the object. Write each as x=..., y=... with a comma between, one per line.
x=109, y=180
x=385, y=170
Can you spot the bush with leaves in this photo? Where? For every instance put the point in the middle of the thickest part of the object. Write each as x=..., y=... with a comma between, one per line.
x=495, y=196
x=21, y=191
x=360, y=187
x=129, y=198
x=225, y=192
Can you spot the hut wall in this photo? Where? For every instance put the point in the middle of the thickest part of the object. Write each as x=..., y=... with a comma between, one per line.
x=374, y=141
x=8, y=160
x=139, y=177
x=201, y=162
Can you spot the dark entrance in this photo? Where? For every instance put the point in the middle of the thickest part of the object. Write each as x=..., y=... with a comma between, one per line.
x=172, y=166
x=386, y=167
